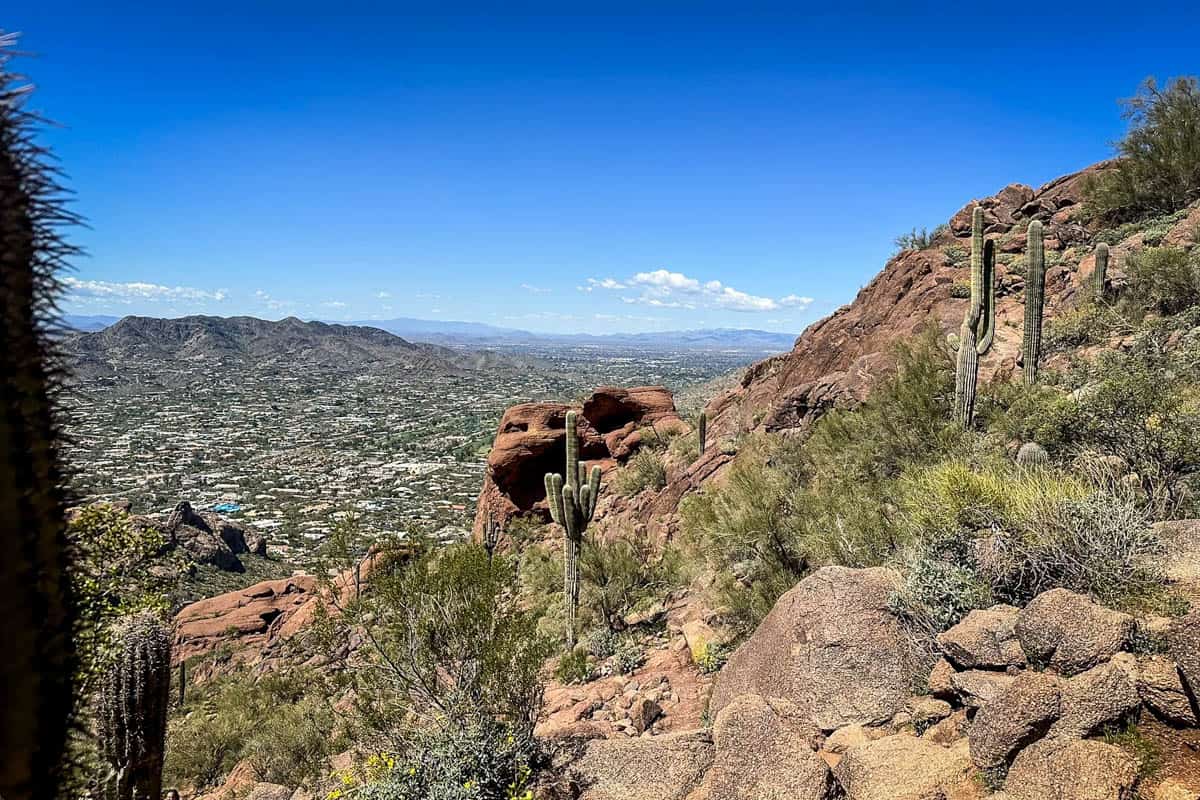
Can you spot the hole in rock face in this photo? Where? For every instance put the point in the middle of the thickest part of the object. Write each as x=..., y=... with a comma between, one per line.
x=515, y=427
x=607, y=413
x=526, y=484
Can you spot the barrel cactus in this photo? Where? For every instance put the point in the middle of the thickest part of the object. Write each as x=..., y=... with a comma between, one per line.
x=572, y=504
x=132, y=710
x=1032, y=454
x=38, y=610
x=1101, y=272
x=979, y=323
x=1035, y=298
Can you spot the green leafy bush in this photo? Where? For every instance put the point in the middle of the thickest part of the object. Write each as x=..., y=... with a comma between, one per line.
x=574, y=667
x=918, y=239
x=645, y=470
x=283, y=723
x=1158, y=171
x=628, y=656
x=993, y=532
x=620, y=574
x=1165, y=279
x=475, y=759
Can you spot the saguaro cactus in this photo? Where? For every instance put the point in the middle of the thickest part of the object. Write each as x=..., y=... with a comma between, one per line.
x=38, y=610
x=703, y=432
x=132, y=712
x=572, y=504
x=979, y=323
x=492, y=530
x=1035, y=297
x=1100, y=273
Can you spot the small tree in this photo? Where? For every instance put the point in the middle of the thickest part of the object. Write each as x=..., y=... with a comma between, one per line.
x=1158, y=171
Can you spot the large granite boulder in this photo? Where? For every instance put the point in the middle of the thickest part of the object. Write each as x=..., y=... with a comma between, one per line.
x=1069, y=632
x=1071, y=769
x=763, y=750
x=832, y=648
x=1184, y=639
x=664, y=767
x=1102, y=696
x=984, y=640
x=902, y=767
x=1161, y=689
x=1017, y=716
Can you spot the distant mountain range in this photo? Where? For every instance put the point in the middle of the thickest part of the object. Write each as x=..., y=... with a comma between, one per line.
x=247, y=342
x=480, y=335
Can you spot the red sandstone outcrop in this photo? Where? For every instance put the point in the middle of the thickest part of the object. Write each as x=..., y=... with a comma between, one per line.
x=836, y=360
x=531, y=441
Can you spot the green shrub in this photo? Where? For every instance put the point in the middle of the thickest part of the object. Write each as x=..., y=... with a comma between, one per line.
x=918, y=239
x=574, y=667
x=446, y=635
x=628, y=656
x=711, y=657
x=1158, y=171
x=1089, y=324
x=684, y=449
x=620, y=574
x=645, y=470
x=1164, y=279
x=473, y=759
x=996, y=533
x=283, y=723
x=602, y=642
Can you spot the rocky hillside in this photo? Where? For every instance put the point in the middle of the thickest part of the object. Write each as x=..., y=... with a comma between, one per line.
x=247, y=343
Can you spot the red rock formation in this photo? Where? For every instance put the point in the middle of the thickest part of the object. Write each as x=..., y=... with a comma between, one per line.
x=530, y=442
x=836, y=360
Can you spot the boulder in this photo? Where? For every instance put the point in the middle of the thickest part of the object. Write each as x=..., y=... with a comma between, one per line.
x=902, y=767
x=644, y=713
x=269, y=791
x=927, y=712
x=984, y=640
x=1171, y=789
x=830, y=646
x=1103, y=695
x=940, y=679
x=664, y=767
x=976, y=687
x=1069, y=632
x=762, y=751
x=1017, y=716
x=1161, y=689
x=1071, y=769
x=239, y=619
x=1183, y=636
x=843, y=739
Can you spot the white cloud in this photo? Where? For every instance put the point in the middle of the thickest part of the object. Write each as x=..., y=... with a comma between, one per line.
x=126, y=293
x=270, y=302
x=662, y=288
x=383, y=295
x=534, y=289
x=334, y=304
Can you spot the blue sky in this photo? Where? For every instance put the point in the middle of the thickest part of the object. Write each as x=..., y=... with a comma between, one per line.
x=654, y=166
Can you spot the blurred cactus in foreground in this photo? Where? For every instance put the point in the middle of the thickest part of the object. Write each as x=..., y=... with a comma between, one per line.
x=37, y=602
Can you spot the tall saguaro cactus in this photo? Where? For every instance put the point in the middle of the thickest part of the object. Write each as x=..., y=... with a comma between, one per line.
x=38, y=610
x=572, y=504
x=703, y=432
x=1035, y=298
x=133, y=700
x=1101, y=271
x=979, y=323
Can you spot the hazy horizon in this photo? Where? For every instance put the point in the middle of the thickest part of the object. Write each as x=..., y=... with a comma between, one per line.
x=553, y=172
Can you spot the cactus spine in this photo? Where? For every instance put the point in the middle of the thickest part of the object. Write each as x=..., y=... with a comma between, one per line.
x=979, y=323
x=572, y=504
x=38, y=609
x=1035, y=297
x=1101, y=270
x=132, y=710
x=703, y=432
